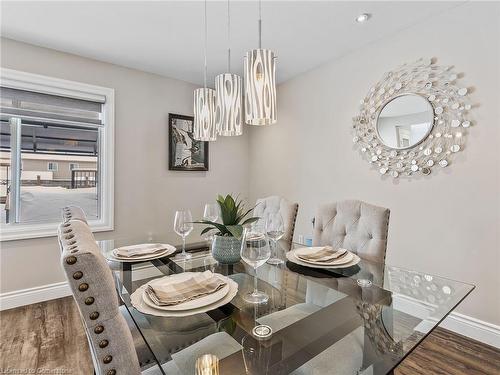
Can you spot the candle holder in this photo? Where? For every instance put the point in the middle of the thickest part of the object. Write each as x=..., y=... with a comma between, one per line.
x=207, y=364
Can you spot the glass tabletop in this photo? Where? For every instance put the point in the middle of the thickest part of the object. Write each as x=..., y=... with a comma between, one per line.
x=364, y=319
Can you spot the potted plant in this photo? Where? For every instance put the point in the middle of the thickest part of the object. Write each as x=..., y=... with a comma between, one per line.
x=226, y=244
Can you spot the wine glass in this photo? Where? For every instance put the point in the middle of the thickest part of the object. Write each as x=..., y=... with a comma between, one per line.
x=183, y=225
x=211, y=212
x=255, y=252
x=275, y=229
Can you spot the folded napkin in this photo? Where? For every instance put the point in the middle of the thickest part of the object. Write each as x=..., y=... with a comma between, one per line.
x=327, y=254
x=168, y=294
x=138, y=250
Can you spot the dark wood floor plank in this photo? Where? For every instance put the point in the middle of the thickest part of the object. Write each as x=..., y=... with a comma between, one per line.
x=50, y=335
x=445, y=352
x=47, y=335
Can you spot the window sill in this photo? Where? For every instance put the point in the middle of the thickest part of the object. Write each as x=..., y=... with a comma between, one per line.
x=31, y=231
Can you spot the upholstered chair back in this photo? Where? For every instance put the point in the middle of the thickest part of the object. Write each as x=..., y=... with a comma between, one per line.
x=353, y=225
x=73, y=213
x=92, y=285
x=270, y=205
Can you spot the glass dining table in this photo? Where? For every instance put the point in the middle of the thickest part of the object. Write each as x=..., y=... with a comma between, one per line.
x=364, y=319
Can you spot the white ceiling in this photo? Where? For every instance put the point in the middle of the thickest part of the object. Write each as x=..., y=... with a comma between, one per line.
x=166, y=37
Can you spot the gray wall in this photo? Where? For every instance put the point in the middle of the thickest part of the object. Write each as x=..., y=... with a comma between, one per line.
x=146, y=192
x=447, y=223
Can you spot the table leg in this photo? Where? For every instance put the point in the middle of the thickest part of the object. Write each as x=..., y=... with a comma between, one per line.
x=127, y=276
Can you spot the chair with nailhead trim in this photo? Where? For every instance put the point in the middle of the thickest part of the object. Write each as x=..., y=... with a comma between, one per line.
x=77, y=213
x=73, y=213
x=92, y=285
x=354, y=225
x=273, y=204
x=111, y=342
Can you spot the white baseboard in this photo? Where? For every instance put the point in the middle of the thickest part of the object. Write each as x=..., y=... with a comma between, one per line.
x=48, y=292
x=29, y=296
x=465, y=325
x=476, y=329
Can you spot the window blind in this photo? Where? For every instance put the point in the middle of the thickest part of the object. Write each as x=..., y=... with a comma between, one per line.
x=35, y=106
x=53, y=139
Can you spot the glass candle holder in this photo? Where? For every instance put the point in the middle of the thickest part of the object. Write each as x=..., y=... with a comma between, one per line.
x=207, y=364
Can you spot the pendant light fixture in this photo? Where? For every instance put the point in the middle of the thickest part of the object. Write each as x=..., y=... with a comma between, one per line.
x=228, y=89
x=260, y=83
x=204, y=128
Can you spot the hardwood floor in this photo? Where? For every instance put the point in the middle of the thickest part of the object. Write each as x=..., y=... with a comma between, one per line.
x=44, y=336
x=50, y=336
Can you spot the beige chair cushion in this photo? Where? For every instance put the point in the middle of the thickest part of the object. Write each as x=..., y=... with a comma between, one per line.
x=93, y=288
x=345, y=357
x=353, y=225
x=273, y=204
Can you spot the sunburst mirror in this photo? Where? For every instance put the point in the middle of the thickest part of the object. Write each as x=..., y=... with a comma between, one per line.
x=414, y=119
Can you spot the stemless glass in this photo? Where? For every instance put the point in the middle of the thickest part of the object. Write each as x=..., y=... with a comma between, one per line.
x=256, y=355
x=255, y=252
x=183, y=225
x=275, y=229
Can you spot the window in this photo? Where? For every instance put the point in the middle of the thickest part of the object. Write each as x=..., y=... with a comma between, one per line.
x=61, y=132
x=73, y=166
x=52, y=166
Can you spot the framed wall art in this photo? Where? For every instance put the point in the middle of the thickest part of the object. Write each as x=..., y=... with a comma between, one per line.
x=185, y=153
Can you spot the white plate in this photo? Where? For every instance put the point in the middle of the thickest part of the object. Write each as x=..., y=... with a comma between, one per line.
x=189, y=305
x=140, y=305
x=290, y=255
x=169, y=249
x=150, y=246
x=307, y=250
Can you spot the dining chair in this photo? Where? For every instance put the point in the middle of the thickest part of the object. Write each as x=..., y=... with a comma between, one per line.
x=273, y=204
x=109, y=336
x=361, y=228
x=354, y=225
x=73, y=213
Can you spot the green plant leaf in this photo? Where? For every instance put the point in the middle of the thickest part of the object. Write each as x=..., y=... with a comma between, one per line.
x=242, y=216
x=207, y=222
x=224, y=209
x=236, y=230
x=250, y=220
x=231, y=209
x=232, y=212
x=207, y=229
x=221, y=227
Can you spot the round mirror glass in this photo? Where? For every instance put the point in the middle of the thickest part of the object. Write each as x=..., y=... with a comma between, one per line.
x=405, y=121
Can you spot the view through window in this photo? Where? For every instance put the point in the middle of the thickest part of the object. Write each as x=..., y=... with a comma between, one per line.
x=56, y=142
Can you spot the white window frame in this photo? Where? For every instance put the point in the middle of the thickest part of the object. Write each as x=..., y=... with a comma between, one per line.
x=73, y=164
x=55, y=86
x=53, y=163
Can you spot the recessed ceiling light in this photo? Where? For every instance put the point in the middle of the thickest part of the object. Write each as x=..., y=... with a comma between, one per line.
x=363, y=17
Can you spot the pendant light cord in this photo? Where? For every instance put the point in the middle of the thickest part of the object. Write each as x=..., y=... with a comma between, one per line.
x=228, y=38
x=205, y=48
x=260, y=24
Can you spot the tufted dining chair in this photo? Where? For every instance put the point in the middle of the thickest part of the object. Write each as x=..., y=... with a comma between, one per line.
x=273, y=204
x=361, y=228
x=73, y=213
x=354, y=225
x=110, y=339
